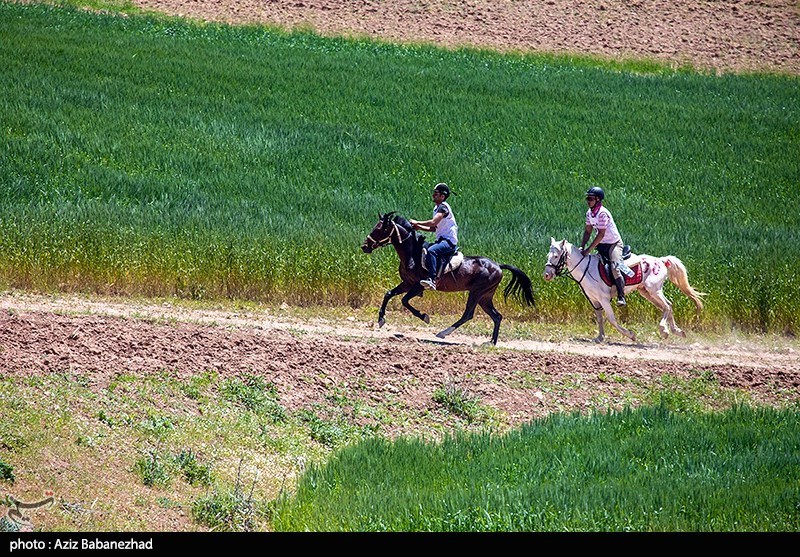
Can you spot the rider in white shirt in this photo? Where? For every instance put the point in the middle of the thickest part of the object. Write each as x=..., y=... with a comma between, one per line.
x=607, y=240
x=444, y=224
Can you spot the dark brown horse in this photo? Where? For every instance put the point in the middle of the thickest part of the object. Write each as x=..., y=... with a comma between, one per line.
x=480, y=276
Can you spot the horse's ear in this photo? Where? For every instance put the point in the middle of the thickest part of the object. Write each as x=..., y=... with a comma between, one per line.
x=552, y=241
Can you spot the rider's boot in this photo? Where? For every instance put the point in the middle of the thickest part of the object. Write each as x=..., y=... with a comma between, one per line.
x=620, y=291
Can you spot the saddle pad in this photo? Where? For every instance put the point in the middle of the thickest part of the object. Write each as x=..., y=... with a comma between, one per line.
x=455, y=262
x=635, y=279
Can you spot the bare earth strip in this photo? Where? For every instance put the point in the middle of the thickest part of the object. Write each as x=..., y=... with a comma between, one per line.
x=304, y=359
x=716, y=35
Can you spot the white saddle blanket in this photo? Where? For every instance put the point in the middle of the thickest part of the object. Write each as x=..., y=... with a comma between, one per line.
x=455, y=262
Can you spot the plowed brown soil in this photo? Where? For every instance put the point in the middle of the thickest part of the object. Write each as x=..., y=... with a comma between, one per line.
x=307, y=358
x=717, y=35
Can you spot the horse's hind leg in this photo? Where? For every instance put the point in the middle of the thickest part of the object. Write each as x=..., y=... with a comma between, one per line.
x=671, y=317
x=472, y=302
x=664, y=306
x=488, y=306
x=416, y=291
x=668, y=316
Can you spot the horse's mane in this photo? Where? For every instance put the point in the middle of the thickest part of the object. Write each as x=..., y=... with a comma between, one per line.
x=401, y=221
x=417, y=238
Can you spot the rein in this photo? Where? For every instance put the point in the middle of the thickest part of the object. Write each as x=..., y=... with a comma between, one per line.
x=400, y=239
x=586, y=270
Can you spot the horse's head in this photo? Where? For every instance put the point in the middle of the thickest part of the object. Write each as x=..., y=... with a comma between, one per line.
x=556, y=259
x=381, y=233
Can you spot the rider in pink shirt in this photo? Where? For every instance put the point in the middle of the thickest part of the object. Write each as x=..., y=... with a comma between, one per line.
x=607, y=240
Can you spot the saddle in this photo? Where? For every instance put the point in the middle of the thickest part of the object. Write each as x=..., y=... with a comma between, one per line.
x=629, y=267
x=453, y=262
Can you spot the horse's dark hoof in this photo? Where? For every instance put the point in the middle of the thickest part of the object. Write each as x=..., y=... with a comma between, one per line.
x=381, y=322
x=444, y=333
x=426, y=318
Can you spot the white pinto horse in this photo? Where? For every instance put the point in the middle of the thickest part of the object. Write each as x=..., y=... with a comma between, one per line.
x=650, y=273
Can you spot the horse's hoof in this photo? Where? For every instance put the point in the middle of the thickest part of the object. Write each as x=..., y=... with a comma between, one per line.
x=444, y=333
x=597, y=340
x=425, y=318
x=381, y=322
x=682, y=334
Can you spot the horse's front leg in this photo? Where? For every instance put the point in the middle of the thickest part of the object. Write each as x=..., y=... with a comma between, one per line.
x=613, y=320
x=399, y=289
x=598, y=315
x=416, y=290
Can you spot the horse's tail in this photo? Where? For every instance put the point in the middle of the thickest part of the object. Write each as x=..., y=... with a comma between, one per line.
x=520, y=286
x=679, y=276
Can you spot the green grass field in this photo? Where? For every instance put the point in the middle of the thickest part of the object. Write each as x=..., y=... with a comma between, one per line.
x=146, y=155
x=172, y=451
x=646, y=470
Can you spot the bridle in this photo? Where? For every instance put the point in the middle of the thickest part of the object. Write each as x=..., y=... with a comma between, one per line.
x=560, y=267
x=382, y=242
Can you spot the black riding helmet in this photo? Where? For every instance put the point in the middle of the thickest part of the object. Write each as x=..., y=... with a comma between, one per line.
x=443, y=188
x=597, y=192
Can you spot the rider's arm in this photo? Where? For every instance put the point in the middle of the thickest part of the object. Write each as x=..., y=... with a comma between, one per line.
x=597, y=239
x=586, y=232
x=428, y=225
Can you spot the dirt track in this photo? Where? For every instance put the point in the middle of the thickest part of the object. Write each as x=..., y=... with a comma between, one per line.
x=307, y=359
